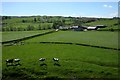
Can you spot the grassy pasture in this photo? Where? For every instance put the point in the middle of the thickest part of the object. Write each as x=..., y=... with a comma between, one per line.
x=75, y=61
x=25, y=25
x=109, y=23
x=7, y=36
x=107, y=39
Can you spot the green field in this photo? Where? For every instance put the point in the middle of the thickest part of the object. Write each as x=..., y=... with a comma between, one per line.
x=75, y=61
x=7, y=36
x=47, y=22
x=107, y=39
x=109, y=23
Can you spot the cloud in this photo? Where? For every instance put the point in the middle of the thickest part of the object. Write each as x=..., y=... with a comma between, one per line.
x=107, y=6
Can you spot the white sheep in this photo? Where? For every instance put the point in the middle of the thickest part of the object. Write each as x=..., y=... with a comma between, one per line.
x=42, y=59
x=16, y=60
x=55, y=59
x=56, y=29
x=12, y=62
x=9, y=61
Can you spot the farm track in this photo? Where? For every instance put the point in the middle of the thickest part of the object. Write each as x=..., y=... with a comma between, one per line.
x=69, y=43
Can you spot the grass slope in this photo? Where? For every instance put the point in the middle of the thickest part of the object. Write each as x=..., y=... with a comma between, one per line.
x=7, y=36
x=107, y=39
x=75, y=61
x=108, y=23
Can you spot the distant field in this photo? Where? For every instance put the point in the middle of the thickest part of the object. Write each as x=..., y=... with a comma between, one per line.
x=7, y=36
x=25, y=25
x=109, y=23
x=107, y=39
x=75, y=61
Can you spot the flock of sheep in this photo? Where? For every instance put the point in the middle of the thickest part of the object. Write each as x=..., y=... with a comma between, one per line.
x=17, y=43
x=16, y=61
x=11, y=62
x=54, y=59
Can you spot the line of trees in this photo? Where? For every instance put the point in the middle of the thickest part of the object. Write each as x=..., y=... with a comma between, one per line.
x=28, y=28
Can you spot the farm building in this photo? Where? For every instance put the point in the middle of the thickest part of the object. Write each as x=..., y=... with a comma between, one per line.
x=78, y=28
x=101, y=26
x=91, y=28
x=96, y=27
x=63, y=28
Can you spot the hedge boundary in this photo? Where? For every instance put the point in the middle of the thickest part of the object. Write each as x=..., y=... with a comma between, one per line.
x=69, y=43
x=80, y=45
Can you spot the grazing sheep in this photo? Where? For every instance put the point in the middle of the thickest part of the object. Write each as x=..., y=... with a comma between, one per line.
x=22, y=43
x=56, y=29
x=42, y=59
x=9, y=61
x=12, y=62
x=55, y=59
x=16, y=60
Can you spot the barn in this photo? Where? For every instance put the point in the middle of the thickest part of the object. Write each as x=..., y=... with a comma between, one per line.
x=78, y=28
x=91, y=28
x=100, y=26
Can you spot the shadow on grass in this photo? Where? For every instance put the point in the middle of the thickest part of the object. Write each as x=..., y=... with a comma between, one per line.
x=17, y=73
x=57, y=64
x=18, y=64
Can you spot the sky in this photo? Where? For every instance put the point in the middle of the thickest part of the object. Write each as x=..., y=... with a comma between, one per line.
x=75, y=9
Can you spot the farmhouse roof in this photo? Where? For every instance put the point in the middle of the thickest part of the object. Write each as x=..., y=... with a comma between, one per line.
x=91, y=27
x=100, y=25
x=74, y=26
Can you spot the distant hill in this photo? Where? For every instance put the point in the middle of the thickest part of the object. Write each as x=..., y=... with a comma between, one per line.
x=110, y=23
x=28, y=23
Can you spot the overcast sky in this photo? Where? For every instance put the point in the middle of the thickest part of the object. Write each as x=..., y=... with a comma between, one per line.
x=83, y=9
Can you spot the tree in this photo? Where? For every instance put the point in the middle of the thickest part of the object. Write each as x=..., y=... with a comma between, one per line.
x=23, y=21
x=3, y=29
x=35, y=20
x=30, y=28
x=77, y=22
x=39, y=27
x=6, y=17
x=56, y=25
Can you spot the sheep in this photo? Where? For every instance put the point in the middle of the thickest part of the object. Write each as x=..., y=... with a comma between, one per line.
x=56, y=29
x=9, y=61
x=56, y=59
x=22, y=43
x=13, y=62
x=16, y=61
x=42, y=59
x=56, y=62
